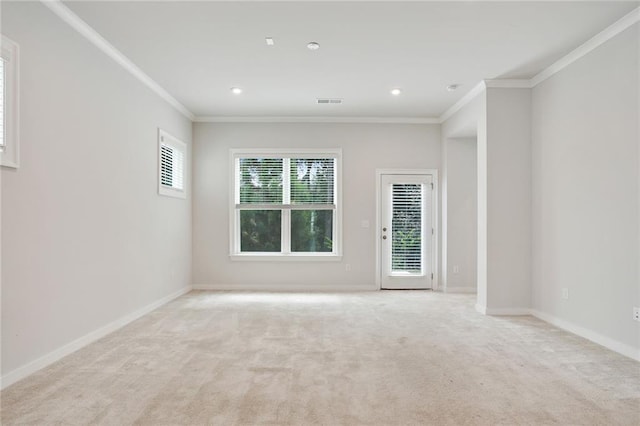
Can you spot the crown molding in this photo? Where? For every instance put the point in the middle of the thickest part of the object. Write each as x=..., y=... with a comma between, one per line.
x=471, y=94
x=508, y=84
x=74, y=21
x=316, y=119
x=608, y=33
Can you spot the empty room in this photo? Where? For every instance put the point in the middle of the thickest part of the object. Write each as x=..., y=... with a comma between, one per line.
x=320, y=212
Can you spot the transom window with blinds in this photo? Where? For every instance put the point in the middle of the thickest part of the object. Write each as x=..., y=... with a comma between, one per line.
x=172, y=155
x=9, y=103
x=286, y=204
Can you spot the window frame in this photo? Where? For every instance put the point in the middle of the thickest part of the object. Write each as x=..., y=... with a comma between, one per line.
x=285, y=254
x=10, y=152
x=165, y=138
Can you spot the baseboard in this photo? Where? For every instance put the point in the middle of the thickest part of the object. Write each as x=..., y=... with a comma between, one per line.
x=481, y=309
x=48, y=359
x=465, y=290
x=607, y=342
x=287, y=287
x=507, y=311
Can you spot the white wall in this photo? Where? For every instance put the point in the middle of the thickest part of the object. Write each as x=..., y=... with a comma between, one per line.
x=366, y=147
x=586, y=193
x=469, y=122
x=500, y=121
x=86, y=239
x=462, y=201
x=508, y=197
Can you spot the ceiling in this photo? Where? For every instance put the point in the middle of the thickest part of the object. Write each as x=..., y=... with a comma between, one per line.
x=197, y=51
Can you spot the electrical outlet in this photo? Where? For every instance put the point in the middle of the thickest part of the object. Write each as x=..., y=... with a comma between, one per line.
x=456, y=269
x=565, y=293
x=636, y=313
x=347, y=267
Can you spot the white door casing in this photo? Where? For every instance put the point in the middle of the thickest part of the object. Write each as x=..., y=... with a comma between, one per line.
x=407, y=238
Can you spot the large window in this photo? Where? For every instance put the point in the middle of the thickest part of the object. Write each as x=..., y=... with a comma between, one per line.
x=285, y=204
x=9, y=104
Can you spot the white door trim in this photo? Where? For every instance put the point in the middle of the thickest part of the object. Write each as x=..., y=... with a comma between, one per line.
x=436, y=221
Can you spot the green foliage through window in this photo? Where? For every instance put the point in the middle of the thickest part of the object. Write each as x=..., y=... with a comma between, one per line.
x=260, y=230
x=311, y=230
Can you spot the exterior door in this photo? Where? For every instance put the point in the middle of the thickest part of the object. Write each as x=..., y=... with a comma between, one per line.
x=407, y=231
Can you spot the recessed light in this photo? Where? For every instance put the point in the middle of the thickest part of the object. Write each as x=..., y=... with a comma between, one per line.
x=396, y=92
x=269, y=41
x=313, y=46
x=236, y=90
x=452, y=87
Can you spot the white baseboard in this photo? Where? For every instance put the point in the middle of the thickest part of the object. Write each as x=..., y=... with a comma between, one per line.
x=48, y=359
x=465, y=290
x=507, y=311
x=287, y=287
x=607, y=342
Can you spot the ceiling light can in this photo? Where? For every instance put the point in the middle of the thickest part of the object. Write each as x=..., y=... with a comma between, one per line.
x=396, y=91
x=236, y=90
x=452, y=87
x=312, y=45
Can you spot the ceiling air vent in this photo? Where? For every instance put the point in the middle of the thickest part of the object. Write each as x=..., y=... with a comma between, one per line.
x=328, y=101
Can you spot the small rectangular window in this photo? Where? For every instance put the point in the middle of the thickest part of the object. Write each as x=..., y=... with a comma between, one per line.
x=285, y=204
x=9, y=104
x=172, y=155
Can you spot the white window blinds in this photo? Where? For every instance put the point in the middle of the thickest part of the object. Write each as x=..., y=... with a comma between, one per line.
x=312, y=182
x=172, y=163
x=406, y=226
x=171, y=167
x=9, y=103
x=309, y=184
x=2, y=107
x=261, y=181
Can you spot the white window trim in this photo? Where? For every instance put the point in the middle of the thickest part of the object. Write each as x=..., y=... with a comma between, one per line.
x=234, y=221
x=165, y=138
x=10, y=52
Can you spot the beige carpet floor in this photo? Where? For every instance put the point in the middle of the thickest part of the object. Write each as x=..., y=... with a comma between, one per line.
x=378, y=358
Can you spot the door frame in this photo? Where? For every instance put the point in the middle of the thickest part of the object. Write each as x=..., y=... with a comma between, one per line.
x=434, y=215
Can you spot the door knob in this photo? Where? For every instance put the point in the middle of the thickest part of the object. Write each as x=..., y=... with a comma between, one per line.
x=384, y=237
x=384, y=229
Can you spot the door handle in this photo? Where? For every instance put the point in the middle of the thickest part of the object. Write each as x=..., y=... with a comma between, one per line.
x=384, y=237
x=384, y=229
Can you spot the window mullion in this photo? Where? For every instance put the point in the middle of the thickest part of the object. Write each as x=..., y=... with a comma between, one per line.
x=286, y=200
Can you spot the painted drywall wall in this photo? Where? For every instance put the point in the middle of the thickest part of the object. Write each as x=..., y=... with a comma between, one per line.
x=469, y=122
x=365, y=148
x=462, y=223
x=586, y=193
x=508, y=184
x=86, y=239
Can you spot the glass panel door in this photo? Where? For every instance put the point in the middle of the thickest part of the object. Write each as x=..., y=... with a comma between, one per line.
x=406, y=244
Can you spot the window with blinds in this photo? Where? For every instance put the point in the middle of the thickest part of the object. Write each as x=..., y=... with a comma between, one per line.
x=2, y=99
x=406, y=228
x=171, y=165
x=9, y=101
x=285, y=203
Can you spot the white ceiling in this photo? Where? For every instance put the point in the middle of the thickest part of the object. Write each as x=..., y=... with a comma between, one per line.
x=197, y=51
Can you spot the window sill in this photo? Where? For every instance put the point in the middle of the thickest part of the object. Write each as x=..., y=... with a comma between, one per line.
x=297, y=257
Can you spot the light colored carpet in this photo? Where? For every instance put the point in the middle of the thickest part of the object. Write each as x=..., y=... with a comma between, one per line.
x=387, y=358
